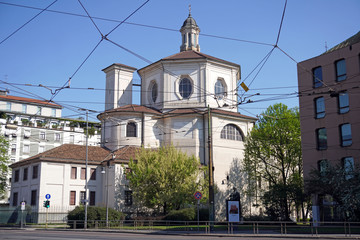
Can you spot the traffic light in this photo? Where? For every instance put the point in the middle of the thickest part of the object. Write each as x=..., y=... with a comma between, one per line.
x=46, y=204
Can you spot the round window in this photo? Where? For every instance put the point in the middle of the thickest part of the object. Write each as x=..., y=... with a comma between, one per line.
x=185, y=88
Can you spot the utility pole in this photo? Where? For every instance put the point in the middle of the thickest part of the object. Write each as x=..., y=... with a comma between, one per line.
x=211, y=174
x=86, y=163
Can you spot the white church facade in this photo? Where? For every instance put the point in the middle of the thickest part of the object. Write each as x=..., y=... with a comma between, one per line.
x=185, y=98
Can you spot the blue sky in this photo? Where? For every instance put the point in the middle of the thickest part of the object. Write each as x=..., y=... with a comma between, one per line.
x=50, y=48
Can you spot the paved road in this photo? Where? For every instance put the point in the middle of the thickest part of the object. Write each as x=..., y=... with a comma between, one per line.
x=32, y=234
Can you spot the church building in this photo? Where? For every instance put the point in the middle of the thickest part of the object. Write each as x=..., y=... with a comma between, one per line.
x=188, y=99
x=180, y=96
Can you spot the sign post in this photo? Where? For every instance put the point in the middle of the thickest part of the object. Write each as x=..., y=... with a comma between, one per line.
x=47, y=205
x=22, y=214
x=198, y=196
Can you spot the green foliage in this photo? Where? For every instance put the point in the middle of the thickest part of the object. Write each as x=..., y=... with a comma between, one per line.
x=165, y=179
x=185, y=214
x=93, y=213
x=4, y=161
x=273, y=153
x=3, y=115
x=343, y=185
x=91, y=131
x=188, y=214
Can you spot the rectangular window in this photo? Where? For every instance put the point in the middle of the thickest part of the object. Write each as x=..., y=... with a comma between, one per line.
x=320, y=107
x=83, y=173
x=128, y=197
x=57, y=137
x=33, y=198
x=17, y=174
x=26, y=148
x=92, y=198
x=25, y=174
x=13, y=149
x=27, y=133
x=73, y=172
x=72, y=139
x=8, y=106
x=321, y=139
x=72, y=197
x=24, y=108
x=39, y=110
x=348, y=165
x=35, y=171
x=317, y=77
x=41, y=149
x=343, y=100
x=323, y=166
x=346, y=138
x=53, y=112
x=340, y=70
x=42, y=136
x=82, y=197
x=15, y=199
x=92, y=173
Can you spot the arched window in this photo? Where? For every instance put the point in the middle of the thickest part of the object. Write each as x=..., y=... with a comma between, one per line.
x=131, y=129
x=185, y=88
x=232, y=132
x=220, y=91
x=154, y=91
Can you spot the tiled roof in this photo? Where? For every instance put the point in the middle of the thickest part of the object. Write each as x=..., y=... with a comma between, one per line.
x=124, y=154
x=348, y=42
x=120, y=65
x=181, y=111
x=132, y=108
x=196, y=55
x=29, y=100
x=68, y=153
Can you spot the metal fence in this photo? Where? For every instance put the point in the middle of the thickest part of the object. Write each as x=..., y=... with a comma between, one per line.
x=57, y=218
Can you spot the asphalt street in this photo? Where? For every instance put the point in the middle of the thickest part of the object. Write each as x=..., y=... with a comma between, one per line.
x=32, y=234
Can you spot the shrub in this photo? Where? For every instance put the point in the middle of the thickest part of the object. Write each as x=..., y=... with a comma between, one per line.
x=93, y=213
x=203, y=214
x=185, y=214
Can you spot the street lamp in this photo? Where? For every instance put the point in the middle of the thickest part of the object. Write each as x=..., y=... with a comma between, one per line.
x=86, y=162
x=106, y=172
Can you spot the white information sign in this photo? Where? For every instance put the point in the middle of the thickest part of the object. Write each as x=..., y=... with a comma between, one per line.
x=233, y=211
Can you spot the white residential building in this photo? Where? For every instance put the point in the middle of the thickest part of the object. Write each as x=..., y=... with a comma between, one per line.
x=34, y=126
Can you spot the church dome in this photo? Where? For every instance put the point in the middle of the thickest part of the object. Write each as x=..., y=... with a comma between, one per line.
x=189, y=22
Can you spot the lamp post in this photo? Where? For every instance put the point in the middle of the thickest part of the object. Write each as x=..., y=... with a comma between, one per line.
x=86, y=163
x=106, y=171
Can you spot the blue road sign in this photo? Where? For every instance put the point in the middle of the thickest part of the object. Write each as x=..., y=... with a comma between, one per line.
x=47, y=196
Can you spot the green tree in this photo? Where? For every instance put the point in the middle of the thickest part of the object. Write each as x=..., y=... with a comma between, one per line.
x=342, y=184
x=273, y=154
x=165, y=178
x=4, y=161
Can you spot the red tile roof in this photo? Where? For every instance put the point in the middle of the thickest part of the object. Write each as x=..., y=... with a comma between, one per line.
x=196, y=55
x=133, y=108
x=181, y=111
x=120, y=65
x=67, y=153
x=70, y=153
x=29, y=100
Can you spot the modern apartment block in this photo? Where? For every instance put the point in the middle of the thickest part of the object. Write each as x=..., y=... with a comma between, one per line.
x=329, y=96
x=34, y=126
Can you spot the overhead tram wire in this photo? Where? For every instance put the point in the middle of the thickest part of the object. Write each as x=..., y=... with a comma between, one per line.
x=139, y=24
x=42, y=10
x=102, y=38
